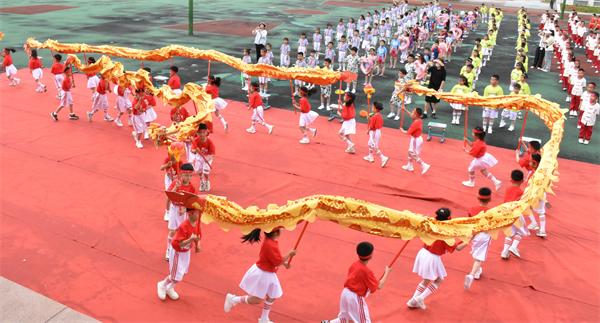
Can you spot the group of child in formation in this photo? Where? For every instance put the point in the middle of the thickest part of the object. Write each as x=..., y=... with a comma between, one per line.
x=414, y=27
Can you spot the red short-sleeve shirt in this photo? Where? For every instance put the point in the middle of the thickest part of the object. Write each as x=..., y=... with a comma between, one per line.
x=142, y=106
x=7, y=61
x=304, y=105
x=213, y=90
x=35, y=63
x=102, y=86
x=361, y=279
x=478, y=149
x=184, y=232
x=174, y=82
x=66, y=84
x=255, y=100
x=376, y=121
x=57, y=68
x=179, y=115
x=513, y=193
x=348, y=112
x=206, y=148
x=416, y=128
x=440, y=247
x=269, y=258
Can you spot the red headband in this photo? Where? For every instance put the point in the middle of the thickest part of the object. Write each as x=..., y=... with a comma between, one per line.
x=484, y=197
x=477, y=131
x=365, y=257
x=187, y=171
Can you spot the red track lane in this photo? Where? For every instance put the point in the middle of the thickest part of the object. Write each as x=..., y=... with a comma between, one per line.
x=82, y=222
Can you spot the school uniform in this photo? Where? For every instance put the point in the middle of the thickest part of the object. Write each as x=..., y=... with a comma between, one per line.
x=179, y=257
x=35, y=65
x=58, y=70
x=360, y=283
x=66, y=99
x=428, y=263
x=349, y=123
x=203, y=158
x=260, y=280
x=307, y=116
x=9, y=67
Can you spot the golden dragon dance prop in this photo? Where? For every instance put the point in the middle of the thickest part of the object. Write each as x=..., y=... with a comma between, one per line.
x=349, y=212
x=379, y=220
x=310, y=75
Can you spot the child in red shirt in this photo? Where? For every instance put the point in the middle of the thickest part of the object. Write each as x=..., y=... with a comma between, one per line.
x=482, y=160
x=139, y=105
x=172, y=167
x=533, y=147
x=375, y=125
x=307, y=116
x=66, y=97
x=213, y=89
x=174, y=81
x=255, y=103
x=540, y=209
x=35, y=66
x=481, y=241
x=187, y=233
x=123, y=103
x=348, y=113
x=203, y=154
x=177, y=213
x=260, y=281
x=149, y=115
x=57, y=70
x=360, y=283
x=100, y=100
x=416, y=142
x=428, y=265
x=514, y=193
x=9, y=67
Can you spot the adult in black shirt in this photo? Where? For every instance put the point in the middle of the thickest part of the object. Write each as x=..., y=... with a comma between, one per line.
x=437, y=79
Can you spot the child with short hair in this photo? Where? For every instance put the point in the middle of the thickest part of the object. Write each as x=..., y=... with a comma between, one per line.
x=578, y=83
x=588, y=118
x=585, y=99
x=416, y=142
x=348, y=113
x=35, y=66
x=139, y=106
x=203, y=154
x=302, y=43
x=398, y=95
x=149, y=115
x=263, y=80
x=514, y=193
x=540, y=209
x=9, y=67
x=256, y=104
x=317, y=39
x=123, y=102
x=212, y=88
x=374, y=126
x=187, y=233
x=260, y=281
x=174, y=80
x=457, y=108
x=481, y=241
x=100, y=100
x=284, y=53
x=326, y=90
x=328, y=34
x=360, y=283
x=307, y=116
x=352, y=63
x=330, y=52
x=172, y=167
x=489, y=115
x=66, y=97
x=58, y=70
x=177, y=213
x=482, y=160
x=178, y=114
x=510, y=113
x=382, y=53
x=428, y=265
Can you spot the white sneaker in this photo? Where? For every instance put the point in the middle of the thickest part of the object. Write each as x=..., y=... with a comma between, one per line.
x=172, y=294
x=245, y=88
x=468, y=281
x=270, y=128
x=369, y=158
x=207, y=186
x=514, y=251
x=228, y=303
x=118, y=122
x=314, y=132
x=541, y=234
x=412, y=303
x=425, y=168
x=511, y=128
x=497, y=185
x=251, y=130
x=139, y=144
x=89, y=116
x=146, y=135
x=384, y=160
x=504, y=254
x=533, y=226
x=420, y=303
x=578, y=126
x=586, y=142
x=469, y=183
x=489, y=130
x=166, y=216
x=264, y=321
x=477, y=275
x=408, y=168
x=502, y=124
x=397, y=117
x=391, y=115
x=54, y=116
x=304, y=140
x=107, y=118
x=161, y=291
x=354, y=90
x=202, y=186
x=321, y=107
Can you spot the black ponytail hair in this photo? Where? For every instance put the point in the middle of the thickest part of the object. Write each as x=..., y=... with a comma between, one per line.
x=34, y=53
x=352, y=98
x=9, y=50
x=214, y=80
x=254, y=235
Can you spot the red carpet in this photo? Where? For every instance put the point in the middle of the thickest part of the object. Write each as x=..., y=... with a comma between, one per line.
x=82, y=222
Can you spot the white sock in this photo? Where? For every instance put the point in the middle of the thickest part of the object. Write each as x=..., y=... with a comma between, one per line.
x=516, y=241
x=507, y=243
x=532, y=219
x=222, y=120
x=542, y=222
x=431, y=288
x=265, y=312
x=420, y=289
x=240, y=299
x=490, y=176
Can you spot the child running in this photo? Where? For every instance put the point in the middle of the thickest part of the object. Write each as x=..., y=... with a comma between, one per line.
x=9, y=67
x=35, y=66
x=348, y=113
x=481, y=241
x=514, y=193
x=255, y=103
x=260, y=281
x=416, y=142
x=482, y=160
x=58, y=70
x=213, y=89
x=375, y=125
x=360, y=283
x=66, y=99
x=307, y=116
